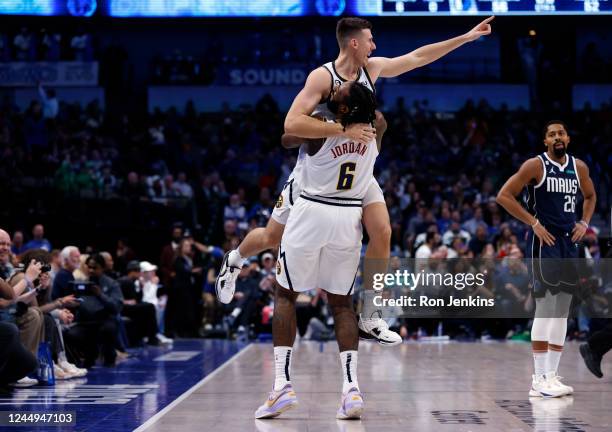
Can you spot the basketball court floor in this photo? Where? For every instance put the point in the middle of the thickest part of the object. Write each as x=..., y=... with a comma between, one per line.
x=217, y=385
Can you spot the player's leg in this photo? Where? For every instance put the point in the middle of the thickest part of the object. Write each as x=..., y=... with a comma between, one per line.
x=298, y=267
x=338, y=269
x=542, y=322
x=282, y=397
x=378, y=251
x=347, y=335
x=256, y=241
x=556, y=339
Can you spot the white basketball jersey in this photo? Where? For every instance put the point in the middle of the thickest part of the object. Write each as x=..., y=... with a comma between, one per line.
x=340, y=169
x=297, y=169
x=336, y=80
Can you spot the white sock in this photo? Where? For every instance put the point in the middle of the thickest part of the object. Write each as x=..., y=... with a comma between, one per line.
x=348, y=361
x=282, y=360
x=552, y=360
x=235, y=259
x=539, y=363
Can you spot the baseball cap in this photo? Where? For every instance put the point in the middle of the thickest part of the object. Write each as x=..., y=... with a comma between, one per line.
x=146, y=266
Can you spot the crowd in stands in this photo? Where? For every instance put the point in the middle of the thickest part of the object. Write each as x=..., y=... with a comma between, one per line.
x=439, y=171
x=29, y=45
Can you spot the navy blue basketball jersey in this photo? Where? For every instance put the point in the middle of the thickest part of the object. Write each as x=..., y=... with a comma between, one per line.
x=553, y=200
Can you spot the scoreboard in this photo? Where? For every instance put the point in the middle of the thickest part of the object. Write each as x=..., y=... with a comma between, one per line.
x=497, y=7
x=294, y=8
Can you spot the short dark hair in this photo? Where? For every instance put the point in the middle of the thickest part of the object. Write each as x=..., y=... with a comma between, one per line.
x=552, y=122
x=348, y=27
x=361, y=104
x=97, y=259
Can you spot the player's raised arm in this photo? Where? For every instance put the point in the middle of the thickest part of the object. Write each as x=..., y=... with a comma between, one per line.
x=530, y=171
x=391, y=67
x=588, y=206
x=299, y=122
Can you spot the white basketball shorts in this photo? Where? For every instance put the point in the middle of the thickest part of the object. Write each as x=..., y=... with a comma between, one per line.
x=321, y=246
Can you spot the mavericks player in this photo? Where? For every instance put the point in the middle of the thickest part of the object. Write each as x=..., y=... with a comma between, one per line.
x=554, y=179
x=320, y=248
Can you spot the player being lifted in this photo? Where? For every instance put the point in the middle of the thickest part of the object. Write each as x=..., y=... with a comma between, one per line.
x=353, y=63
x=554, y=180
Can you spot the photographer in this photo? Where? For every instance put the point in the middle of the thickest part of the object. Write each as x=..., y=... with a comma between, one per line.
x=96, y=317
x=55, y=313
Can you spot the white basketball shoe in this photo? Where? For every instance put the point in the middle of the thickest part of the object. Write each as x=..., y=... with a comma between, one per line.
x=377, y=329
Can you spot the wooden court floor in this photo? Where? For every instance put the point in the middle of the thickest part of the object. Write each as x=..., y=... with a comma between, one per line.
x=412, y=387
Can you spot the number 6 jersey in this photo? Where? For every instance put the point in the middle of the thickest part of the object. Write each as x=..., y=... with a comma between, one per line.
x=553, y=200
x=340, y=169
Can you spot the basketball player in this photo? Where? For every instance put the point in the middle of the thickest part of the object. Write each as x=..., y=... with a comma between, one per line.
x=356, y=43
x=321, y=246
x=554, y=179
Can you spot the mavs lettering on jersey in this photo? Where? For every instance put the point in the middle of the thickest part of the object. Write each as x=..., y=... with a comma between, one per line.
x=553, y=200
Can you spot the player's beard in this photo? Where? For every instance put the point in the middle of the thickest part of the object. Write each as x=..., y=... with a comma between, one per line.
x=559, y=152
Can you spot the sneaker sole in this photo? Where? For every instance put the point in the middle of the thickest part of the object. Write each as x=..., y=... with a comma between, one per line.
x=368, y=337
x=354, y=413
x=221, y=274
x=278, y=412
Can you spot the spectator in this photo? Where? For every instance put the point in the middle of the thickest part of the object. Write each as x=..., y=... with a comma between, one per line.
x=180, y=318
x=96, y=317
x=38, y=239
x=124, y=255
x=182, y=187
x=235, y=210
x=24, y=45
x=53, y=313
x=512, y=283
x=49, y=102
x=109, y=265
x=150, y=289
x=70, y=258
x=472, y=224
x=168, y=255
x=479, y=241
x=82, y=46
x=15, y=360
x=142, y=315
x=455, y=231
x=18, y=247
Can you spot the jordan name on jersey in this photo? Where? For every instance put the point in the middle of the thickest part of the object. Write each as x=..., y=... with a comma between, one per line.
x=349, y=147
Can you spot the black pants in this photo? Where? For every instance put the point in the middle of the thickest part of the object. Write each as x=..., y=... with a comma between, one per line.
x=601, y=341
x=15, y=361
x=144, y=321
x=85, y=337
x=52, y=336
